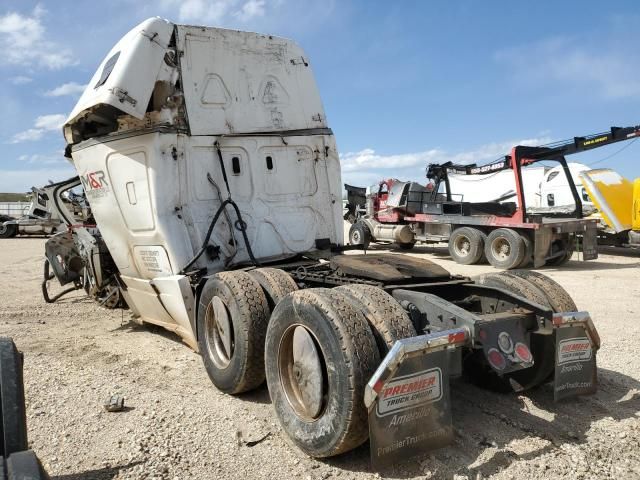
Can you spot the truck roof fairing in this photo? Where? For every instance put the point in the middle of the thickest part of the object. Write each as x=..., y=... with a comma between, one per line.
x=126, y=77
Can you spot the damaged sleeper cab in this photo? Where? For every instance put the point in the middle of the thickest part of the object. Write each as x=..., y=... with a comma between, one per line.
x=214, y=182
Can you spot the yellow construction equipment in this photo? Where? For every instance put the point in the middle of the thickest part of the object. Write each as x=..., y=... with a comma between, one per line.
x=618, y=201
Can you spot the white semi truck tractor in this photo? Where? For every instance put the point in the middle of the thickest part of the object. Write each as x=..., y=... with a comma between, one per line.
x=214, y=181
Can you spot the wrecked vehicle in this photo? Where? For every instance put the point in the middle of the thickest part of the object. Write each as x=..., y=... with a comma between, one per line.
x=40, y=219
x=214, y=181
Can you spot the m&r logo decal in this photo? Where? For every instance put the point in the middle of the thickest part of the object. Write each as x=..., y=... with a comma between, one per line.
x=95, y=184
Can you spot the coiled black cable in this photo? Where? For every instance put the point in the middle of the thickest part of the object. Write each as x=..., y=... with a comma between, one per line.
x=240, y=224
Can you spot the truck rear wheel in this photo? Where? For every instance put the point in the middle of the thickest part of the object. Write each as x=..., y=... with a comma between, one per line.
x=389, y=322
x=559, y=299
x=527, y=259
x=504, y=248
x=466, y=245
x=569, y=248
x=515, y=284
x=232, y=323
x=359, y=234
x=13, y=422
x=319, y=356
x=275, y=283
x=542, y=346
x=8, y=231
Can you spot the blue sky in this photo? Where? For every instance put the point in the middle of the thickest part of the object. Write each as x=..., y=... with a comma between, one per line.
x=403, y=83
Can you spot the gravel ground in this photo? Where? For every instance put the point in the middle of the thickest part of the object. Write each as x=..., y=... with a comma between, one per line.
x=178, y=426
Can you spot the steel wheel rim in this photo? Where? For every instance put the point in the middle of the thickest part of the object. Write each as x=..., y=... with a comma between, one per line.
x=302, y=372
x=355, y=237
x=219, y=333
x=462, y=245
x=3, y=229
x=501, y=248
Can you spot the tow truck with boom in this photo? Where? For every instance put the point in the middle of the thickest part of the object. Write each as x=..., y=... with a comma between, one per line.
x=507, y=234
x=214, y=181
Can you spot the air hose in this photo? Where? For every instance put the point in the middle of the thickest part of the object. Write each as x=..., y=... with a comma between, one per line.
x=240, y=224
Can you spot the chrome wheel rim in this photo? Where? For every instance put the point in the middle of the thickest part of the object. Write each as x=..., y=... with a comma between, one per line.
x=302, y=372
x=219, y=333
x=462, y=246
x=501, y=248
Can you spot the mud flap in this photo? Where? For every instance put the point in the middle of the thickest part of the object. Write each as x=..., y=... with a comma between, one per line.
x=576, y=346
x=408, y=398
x=590, y=244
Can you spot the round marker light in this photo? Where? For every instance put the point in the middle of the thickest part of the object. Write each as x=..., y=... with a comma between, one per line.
x=496, y=359
x=523, y=353
x=505, y=343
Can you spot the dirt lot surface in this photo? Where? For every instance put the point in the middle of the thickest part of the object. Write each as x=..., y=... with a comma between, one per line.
x=178, y=426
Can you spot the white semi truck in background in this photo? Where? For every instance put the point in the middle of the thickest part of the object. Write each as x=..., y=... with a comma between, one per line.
x=214, y=181
x=544, y=187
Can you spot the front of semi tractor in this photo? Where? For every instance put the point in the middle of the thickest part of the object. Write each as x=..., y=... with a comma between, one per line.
x=215, y=194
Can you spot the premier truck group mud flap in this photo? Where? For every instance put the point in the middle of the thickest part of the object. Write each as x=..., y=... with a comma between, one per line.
x=576, y=344
x=408, y=397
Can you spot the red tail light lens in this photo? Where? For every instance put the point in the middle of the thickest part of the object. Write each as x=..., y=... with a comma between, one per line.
x=496, y=359
x=523, y=353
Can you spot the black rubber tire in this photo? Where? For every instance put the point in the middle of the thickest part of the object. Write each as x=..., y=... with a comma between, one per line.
x=347, y=344
x=516, y=248
x=13, y=419
x=558, y=261
x=476, y=240
x=388, y=321
x=249, y=311
x=527, y=259
x=542, y=346
x=8, y=231
x=559, y=299
x=563, y=259
x=359, y=234
x=406, y=246
x=25, y=466
x=275, y=283
x=514, y=284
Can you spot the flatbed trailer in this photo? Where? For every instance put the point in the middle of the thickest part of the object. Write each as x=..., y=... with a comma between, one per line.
x=506, y=234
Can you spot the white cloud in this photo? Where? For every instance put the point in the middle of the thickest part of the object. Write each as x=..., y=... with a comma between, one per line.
x=207, y=12
x=22, y=180
x=25, y=42
x=71, y=88
x=29, y=135
x=42, y=125
x=572, y=64
x=50, y=122
x=20, y=80
x=39, y=159
x=366, y=166
x=251, y=9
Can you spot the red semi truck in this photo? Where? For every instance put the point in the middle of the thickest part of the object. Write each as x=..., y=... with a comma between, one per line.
x=507, y=234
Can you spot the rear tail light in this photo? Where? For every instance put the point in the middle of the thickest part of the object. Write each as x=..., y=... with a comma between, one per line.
x=496, y=359
x=523, y=353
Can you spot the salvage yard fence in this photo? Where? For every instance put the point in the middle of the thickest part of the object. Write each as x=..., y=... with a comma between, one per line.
x=14, y=209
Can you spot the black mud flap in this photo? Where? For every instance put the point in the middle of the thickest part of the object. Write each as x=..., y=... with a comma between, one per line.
x=408, y=398
x=576, y=347
x=590, y=244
